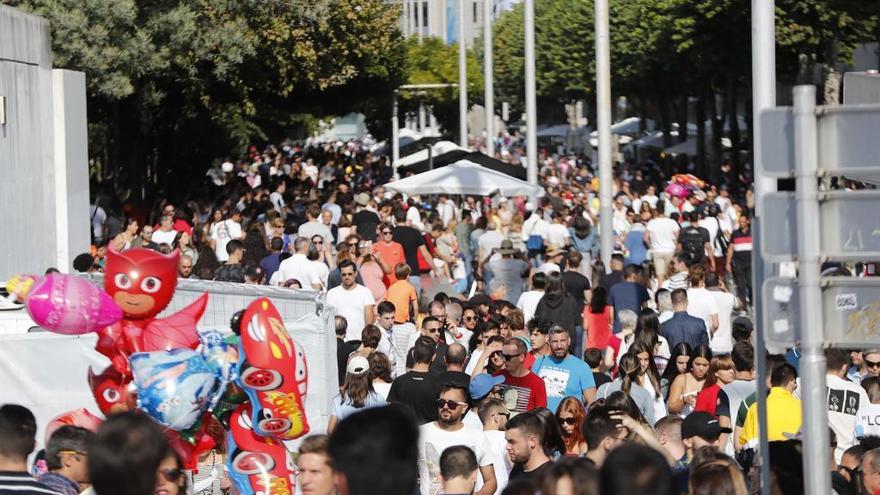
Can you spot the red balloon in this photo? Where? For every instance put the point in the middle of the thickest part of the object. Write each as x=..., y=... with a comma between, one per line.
x=141, y=281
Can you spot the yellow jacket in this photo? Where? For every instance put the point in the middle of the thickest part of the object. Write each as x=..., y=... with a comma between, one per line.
x=783, y=416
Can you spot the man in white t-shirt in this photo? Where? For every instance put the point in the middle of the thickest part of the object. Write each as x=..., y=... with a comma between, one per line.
x=448, y=430
x=315, y=226
x=166, y=232
x=661, y=234
x=299, y=267
x=490, y=240
x=528, y=300
x=845, y=398
x=556, y=234
x=701, y=302
x=352, y=300
x=494, y=415
x=715, y=228
x=277, y=197
x=722, y=339
x=224, y=231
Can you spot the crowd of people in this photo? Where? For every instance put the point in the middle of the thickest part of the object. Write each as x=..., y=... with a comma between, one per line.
x=483, y=347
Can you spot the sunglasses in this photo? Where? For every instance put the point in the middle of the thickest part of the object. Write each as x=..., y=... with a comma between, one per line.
x=508, y=357
x=387, y=232
x=470, y=318
x=352, y=244
x=171, y=475
x=432, y=330
x=872, y=364
x=505, y=414
x=448, y=404
x=74, y=452
x=566, y=421
x=317, y=242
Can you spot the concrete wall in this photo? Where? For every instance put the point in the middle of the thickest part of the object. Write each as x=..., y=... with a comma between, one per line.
x=43, y=159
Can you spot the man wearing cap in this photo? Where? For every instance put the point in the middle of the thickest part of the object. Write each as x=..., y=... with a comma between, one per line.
x=483, y=387
x=365, y=221
x=448, y=430
x=511, y=269
x=701, y=429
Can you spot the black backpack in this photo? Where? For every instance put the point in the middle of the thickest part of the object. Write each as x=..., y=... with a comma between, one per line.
x=693, y=243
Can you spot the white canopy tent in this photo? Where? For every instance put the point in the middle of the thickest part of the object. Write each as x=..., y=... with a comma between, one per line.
x=465, y=177
x=439, y=148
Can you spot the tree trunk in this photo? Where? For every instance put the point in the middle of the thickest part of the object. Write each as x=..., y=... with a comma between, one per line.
x=701, y=135
x=733, y=122
x=717, y=131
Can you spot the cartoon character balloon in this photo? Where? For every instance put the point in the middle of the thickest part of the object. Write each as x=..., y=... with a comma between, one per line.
x=142, y=282
x=111, y=391
x=256, y=464
x=71, y=305
x=273, y=373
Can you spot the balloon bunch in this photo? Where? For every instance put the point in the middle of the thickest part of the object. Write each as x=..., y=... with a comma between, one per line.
x=272, y=373
x=683, y=185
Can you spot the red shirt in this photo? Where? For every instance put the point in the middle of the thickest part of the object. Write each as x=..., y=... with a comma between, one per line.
x=598, y=327
x=522, y=394
x=707, y=399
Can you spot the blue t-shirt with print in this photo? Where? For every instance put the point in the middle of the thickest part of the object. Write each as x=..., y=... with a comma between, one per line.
x=563, y=378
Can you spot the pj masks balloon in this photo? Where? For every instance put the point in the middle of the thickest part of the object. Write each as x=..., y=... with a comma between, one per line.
x=174, y=387
x=272, y=371
x=111, y=391
x=141, y=281
x=257, y=465
x=68, y=304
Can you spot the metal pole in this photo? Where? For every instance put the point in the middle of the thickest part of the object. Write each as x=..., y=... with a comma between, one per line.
x=419, y=19
x=488, y=62
x=462, y=79
x=395, y=138
x=603, y=121
x=760, y=364
x=422, y=118
x=812, y=362
x=531, y=98
x=763, y=97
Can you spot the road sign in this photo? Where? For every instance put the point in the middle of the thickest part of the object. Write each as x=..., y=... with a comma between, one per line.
x=849, y=219
x=851, y=311
x=846, y=135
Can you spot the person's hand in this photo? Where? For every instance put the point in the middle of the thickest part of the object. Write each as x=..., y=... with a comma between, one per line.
x=729, y=268
x=626, y=421
x=689, y=399
x=494, y=347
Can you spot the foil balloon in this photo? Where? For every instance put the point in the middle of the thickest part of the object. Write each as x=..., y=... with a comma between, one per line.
x=272, y=371
x=112, y=391
x=174, y=387
x=676, y=190
x=70, y=305
x=222, y=358
x=77, y=417
x=190, y=445
x=256, y=464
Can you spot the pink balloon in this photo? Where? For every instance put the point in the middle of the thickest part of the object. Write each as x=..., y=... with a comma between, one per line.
x=674, y=189
x=70, y=305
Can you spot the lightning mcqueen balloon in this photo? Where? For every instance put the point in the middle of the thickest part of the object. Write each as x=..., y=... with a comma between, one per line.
x=256, y=464
x=272, y=371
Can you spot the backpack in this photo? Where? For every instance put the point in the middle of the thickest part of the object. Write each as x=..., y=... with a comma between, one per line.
x=720, y=241
x=692, y=242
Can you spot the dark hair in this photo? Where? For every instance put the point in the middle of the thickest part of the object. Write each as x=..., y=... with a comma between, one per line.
x=125, y=455
x=530, y=424
x=18, y=428
x=599, y=300
x=539, y=324
x=276, y=244
x=233, y=246
x=629, y=369
x=555, y=285
x=652, y=374
x=741, y=329
x=635, y=470
x=370, y=336
x=582, y=473
x=380, y=366
x=782, y=374
x=680, y=349
x=539, y=280
x=457, y=461
x=346, y=263
x=429, y=319
x=679, y=296
x=385, y=307
x=341, y=326
x=836, y=358
x=700, y=351
x=631, y=270
x=67, y=438
x=553, y=441
x=593, y=356
x=357, y=439
x=743, y=355
x=598, y=426
x=423, y=350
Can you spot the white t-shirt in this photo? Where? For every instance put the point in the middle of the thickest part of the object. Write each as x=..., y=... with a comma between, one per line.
x=663, y=233
x=433, y=441
x=414, y=218
x=311, y=229
x=277, y=201
x=299, y=267
x=528, y=303
x=350, y=303
x=701, y=304
x=557, y=235
x=867, y=421
x=162, y=237
x=722, y=341
x=222, y=233
x=502, y=464
x=710, y=224
x=473, y=360
x=845, y=398
x=490, y=240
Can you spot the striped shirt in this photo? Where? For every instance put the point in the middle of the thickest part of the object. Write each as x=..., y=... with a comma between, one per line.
x=22, y=483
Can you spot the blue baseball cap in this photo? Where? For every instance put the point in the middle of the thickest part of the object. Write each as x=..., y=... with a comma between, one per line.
x=482, y=384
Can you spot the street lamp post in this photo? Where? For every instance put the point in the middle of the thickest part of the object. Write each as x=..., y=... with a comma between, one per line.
x=603, y=121
x=462, y=79
x=488, y=62
x=531, y=101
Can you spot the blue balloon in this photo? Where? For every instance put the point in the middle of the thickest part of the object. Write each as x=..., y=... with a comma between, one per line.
x=222, y=358
x=174, y=387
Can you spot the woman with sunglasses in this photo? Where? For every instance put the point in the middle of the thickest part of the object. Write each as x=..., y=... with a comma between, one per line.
x=570, y=414
x=684, y=389
x=170, y=479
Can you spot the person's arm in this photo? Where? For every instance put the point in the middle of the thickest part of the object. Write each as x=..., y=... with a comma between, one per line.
x=490, y=484
x=386, y=268
x=714, y=318
x=710, y=255
x=609, y=358
x=414, y=306
x=589, y=395
x=645, y=434
x=332, y=424
x=729, y=257
x=675, y=403
x=369, y=314
x=480, y=367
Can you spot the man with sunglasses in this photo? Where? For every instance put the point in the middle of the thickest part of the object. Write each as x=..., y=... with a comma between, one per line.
x=390, y=251
x=494, y=417
x=522, y=390
x=448, y=430
x=67, y=460
x=432, y=328
x=352, y=300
